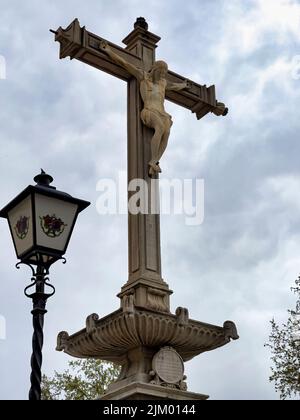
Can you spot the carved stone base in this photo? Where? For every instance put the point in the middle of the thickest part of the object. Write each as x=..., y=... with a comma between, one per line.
x=142, y=391
x=150, y=346
x=146, y=294
x=136, y=367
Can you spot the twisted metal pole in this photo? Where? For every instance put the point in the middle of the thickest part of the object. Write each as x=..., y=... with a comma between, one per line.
x=39, y=300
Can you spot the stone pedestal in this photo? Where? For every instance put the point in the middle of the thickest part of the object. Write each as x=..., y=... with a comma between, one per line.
x=142, y=391
x=151, y=348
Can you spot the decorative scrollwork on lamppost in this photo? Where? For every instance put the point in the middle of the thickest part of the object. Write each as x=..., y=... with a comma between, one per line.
x=41, y=221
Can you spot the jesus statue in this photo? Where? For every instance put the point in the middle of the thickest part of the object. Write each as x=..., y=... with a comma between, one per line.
x=153, y=86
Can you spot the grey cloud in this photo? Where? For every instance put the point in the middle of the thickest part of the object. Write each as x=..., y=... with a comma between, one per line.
x=61, y=115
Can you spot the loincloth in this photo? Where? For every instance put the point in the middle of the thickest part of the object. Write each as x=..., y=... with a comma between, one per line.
x=146, y=116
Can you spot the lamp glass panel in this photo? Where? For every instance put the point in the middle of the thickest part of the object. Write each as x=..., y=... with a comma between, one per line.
x=21, y=224
x=54, y=221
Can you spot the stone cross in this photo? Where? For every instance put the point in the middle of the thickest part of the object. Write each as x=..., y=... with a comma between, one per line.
x=145, y=286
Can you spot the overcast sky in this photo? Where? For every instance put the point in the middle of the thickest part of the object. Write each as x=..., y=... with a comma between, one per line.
x=70, y=119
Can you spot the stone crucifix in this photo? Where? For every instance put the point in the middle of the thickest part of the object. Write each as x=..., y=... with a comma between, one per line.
x=149, y=82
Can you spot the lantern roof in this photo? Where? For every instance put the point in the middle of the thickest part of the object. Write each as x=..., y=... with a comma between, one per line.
x=43, y=187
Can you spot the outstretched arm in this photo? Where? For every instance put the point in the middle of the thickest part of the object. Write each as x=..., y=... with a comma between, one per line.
x=137, y=73
x=179, y=86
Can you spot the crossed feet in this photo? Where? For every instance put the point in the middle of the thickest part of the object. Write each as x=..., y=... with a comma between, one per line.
x=154, y=168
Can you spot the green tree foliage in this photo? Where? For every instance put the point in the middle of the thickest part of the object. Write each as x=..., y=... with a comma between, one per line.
x=83, y=380
x=284, y=344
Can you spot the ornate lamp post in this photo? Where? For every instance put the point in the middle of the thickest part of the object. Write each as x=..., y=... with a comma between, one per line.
x=41, y=220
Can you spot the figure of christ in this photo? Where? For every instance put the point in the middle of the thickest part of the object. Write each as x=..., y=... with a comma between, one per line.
x=153, y=85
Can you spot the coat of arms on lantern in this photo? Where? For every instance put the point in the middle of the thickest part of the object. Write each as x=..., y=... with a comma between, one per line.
x=22, y=227
x=52, y=226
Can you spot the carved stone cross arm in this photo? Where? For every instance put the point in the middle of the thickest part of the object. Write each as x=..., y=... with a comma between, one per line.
x=200, y=99
x=76, y=42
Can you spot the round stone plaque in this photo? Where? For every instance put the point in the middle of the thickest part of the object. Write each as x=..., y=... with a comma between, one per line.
x=168, y=365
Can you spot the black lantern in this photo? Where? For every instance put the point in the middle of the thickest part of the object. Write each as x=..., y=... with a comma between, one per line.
x=41, y=220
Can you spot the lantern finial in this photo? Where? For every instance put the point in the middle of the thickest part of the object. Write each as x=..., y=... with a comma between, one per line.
x=43, y=179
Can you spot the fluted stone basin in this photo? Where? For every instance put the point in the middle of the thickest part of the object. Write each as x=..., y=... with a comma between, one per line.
x=113, y=336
